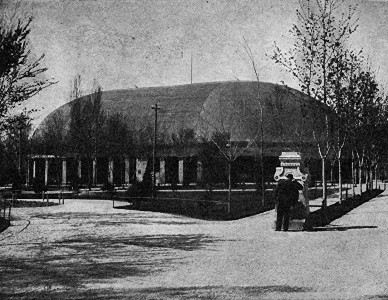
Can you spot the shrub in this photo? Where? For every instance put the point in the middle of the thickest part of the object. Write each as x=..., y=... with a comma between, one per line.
x=75, y=183
x=139, y=189
x=17, y=182
x=108, y=186
x=39, y=186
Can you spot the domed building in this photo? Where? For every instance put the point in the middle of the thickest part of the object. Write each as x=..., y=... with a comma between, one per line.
x=241, y=119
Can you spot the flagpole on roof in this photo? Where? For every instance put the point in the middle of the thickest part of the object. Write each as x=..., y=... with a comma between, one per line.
x=191, y=68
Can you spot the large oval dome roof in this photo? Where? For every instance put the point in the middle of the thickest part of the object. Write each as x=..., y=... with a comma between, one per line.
x=233, y=107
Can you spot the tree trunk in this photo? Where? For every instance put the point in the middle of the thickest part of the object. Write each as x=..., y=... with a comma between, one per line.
x=366, y=172
x=376, y=171
x=324, y=184
x=339, y=180
x=360, y=177
x=367, y=177
x=89, y=173
x=331, y=174
x=353, y=176
x=58, y=169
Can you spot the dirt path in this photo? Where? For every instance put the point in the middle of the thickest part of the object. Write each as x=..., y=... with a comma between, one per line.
x=87, y=249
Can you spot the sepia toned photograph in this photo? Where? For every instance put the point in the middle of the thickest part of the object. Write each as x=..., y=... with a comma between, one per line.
x=194, y=149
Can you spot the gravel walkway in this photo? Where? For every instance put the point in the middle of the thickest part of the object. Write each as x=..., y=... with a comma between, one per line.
x=85, y=249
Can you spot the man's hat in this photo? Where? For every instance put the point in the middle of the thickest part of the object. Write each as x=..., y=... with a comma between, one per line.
x=290, y=176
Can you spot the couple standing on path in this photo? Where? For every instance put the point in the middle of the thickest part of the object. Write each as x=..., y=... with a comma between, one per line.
x=286, y=195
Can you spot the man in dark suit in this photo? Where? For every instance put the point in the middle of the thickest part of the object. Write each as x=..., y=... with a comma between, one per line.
x=286, y=195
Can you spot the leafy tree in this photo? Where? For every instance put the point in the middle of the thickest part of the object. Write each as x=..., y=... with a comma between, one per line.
x=53, y=136
x=14, y=147
x=86, y=121
x=21, y=76
x=366, y=117
x=116, y=136
x=213, y=163
x=184, y=140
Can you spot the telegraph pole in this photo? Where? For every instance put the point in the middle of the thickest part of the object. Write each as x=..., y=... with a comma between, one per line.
x=155, y=108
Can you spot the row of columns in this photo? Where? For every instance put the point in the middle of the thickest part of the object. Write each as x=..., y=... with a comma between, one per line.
x=140, y=170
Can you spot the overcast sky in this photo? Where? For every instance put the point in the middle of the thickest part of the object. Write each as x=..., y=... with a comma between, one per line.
x=128, y=43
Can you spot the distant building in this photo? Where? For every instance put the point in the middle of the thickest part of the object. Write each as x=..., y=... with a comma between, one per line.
x=206, y=111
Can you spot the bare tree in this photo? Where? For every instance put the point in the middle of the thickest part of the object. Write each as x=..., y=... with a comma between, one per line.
x=230, y=122
x=318, y=35
x=260, y=113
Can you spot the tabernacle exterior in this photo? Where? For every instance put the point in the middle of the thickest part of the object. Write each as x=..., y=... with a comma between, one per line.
x=256, y=118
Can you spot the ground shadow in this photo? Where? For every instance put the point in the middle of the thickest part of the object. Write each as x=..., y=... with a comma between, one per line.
x=341, y=228
x=321, y=218
x=204, y=292
x=126, y=207
x=380, y=196
x=76, y=261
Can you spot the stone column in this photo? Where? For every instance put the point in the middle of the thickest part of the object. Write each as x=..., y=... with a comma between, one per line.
x=46, y=167
x=64, y=171
x=127, y=170
x=162, y=171
x=28, y=172
x=79, y=169
x=94, y=171
x=141, y=166
x=199, y=172
x=110, y=172
x=33, y=168
x=180, y=171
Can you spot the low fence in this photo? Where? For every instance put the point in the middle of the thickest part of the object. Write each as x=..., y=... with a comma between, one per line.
x=192, y=204
x=15, y=196
x=211, y=205
x=53, y=195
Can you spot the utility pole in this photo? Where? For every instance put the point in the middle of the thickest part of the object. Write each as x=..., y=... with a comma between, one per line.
x=155, y=108
x=20, y=151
